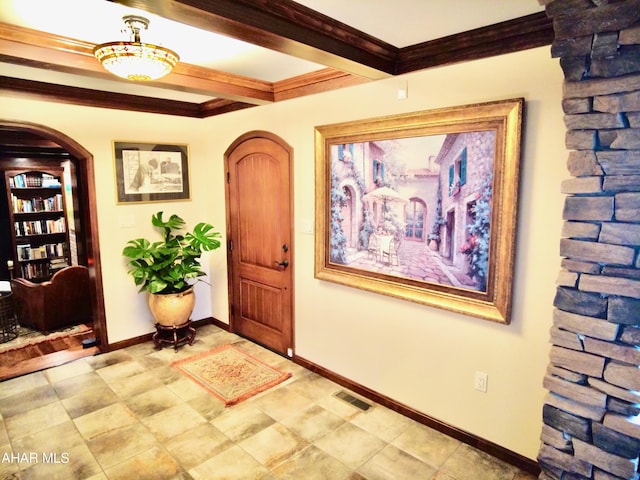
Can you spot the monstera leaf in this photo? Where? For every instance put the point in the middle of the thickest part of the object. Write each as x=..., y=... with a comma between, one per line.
x=167, y=266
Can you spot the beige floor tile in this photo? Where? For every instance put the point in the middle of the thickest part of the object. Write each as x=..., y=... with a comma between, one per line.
x=120, y=444
x=313, y=423
x=141, y=350
x=76, y=462
x=426, y=444
x=4, y=438
x=242, y=421
x=166, y=373
x=89, y=400
x=186, y=388
x=110, y=358
x=131, y=414
x=98, y=476
x=313, y=386
x=198, y=445
x=153, y=401
x=207, y=405
x=173, y=421
x=232, y=464
x=68, y=370
x=280, y=402
x=524, y=476
x=273, y=445
x=9, y=468
x=338, y=406
x=36, y=420
x=382, y=422
x=135, y=384
x=104, y=420
x=76, y=385
x=393, y=463
x=27, y=400
x=120, y=371
x=467, y=463
x=443, y=476
x=22, y=384
x=56, y=439
x=153, y=464
x=312, y=464
x=351, y=445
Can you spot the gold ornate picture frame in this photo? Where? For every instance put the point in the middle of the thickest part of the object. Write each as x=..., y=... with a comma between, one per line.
x=423, y=206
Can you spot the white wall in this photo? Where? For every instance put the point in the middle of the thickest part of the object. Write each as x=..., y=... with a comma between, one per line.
x=418, y=355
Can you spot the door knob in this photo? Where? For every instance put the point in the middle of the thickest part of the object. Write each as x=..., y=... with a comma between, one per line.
x=284, y=263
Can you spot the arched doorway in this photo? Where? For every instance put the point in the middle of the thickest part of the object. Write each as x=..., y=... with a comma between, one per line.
x=415, y=214
x=33, y=135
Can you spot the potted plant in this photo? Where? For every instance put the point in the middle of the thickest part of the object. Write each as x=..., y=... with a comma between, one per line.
x=166, y=269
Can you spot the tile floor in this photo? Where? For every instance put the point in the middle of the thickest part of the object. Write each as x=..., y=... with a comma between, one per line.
x=129, y=414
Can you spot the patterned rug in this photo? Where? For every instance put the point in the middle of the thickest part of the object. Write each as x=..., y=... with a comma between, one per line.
x=27, y=336
x=230, y=374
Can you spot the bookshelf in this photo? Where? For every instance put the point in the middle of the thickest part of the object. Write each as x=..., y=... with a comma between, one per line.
x=39, y=236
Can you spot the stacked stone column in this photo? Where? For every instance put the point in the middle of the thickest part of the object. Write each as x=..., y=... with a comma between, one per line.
x=591, y=416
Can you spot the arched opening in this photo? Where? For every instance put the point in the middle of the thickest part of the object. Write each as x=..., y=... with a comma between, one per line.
x=414, y=216
x=29, y=137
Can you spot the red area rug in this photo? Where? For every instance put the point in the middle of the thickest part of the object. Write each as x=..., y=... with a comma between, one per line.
x=230, y=374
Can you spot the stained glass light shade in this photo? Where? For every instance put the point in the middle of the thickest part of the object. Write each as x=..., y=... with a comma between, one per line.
x=135, y=60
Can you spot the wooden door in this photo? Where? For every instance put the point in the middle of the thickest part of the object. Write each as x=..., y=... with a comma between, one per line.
x=259, y=230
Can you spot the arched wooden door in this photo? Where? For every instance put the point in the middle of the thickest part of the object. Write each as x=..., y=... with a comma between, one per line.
x=259, y=230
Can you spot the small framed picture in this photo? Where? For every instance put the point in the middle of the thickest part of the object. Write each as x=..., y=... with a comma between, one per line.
x=147, y=172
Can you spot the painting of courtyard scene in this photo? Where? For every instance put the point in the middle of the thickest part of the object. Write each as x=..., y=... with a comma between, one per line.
x=416, y=207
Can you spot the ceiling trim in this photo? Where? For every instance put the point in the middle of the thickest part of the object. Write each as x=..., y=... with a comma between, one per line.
x=23, y=46
x=286, y=27
x=522, y=33
x=96, y=98
x=233, y=92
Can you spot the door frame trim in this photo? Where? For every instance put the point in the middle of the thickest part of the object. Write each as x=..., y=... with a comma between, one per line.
x=257, y=134
x=86, y=177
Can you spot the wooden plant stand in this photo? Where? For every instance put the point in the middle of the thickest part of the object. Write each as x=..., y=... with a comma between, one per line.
x=175, y=335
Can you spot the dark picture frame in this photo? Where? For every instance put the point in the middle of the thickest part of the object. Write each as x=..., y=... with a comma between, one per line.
x=148, y=172
x=423, y=206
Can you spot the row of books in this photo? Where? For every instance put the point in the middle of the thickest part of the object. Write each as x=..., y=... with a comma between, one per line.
x=39, y=271
x=28, y=180
x=49, y=250
x=39, y=227
x=37, y=204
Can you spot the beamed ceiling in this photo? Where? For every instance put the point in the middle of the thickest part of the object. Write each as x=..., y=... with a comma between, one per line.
x=336, y=54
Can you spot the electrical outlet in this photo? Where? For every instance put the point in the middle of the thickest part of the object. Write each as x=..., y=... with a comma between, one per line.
x=480, y=381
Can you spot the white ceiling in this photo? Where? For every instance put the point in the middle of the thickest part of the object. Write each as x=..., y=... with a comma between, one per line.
x=400, y=23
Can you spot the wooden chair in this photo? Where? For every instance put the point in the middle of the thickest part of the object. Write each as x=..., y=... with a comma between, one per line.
x=373, y=250
x=63, y=300
x=390, y=255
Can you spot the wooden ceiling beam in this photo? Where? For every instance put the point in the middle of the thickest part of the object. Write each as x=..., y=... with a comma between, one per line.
x=23, y=46
x=96, y=98
x=286, y=27
x=522, y=33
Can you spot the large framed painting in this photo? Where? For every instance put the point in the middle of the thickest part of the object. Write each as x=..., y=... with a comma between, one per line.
x=147, y=172
x=423, y=206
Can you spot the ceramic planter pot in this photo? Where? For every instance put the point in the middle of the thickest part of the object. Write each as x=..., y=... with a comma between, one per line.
x=172, y=308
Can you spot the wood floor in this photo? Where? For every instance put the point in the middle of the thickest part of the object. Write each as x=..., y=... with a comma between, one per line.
x=43, y=355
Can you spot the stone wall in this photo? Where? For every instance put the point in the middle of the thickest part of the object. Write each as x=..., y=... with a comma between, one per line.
x=591, y=416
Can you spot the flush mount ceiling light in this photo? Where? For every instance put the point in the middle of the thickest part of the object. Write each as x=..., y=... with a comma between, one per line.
x=134, y=60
